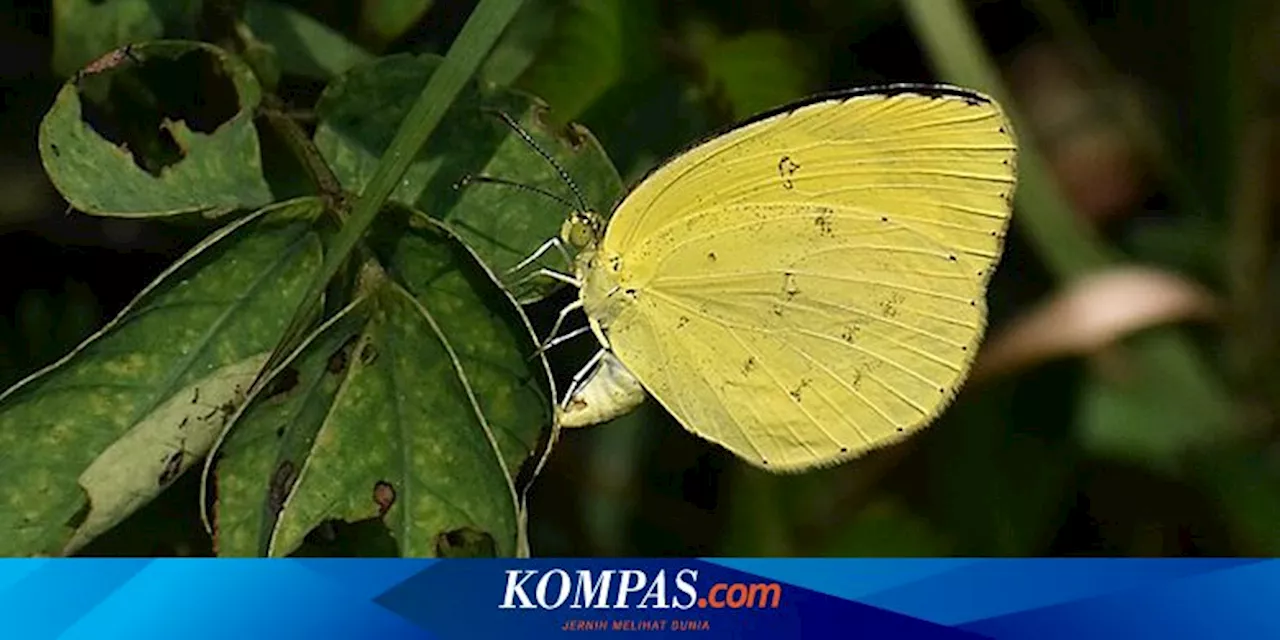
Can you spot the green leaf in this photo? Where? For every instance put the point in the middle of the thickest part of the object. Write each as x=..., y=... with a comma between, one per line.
x=1132, y=416
x=423, y=391
x=303, y=45
x=757, y=71
x=214, y=173
x=492, y=338
x=86, y=29
x=518, y=48
x=260, y=461
x=386, y=20
x=96, y=435
x=359, y=114
x=597, y=45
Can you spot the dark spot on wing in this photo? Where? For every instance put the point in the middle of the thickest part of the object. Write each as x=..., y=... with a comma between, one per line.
x=682, y=322
x=823, y=222
x=749, y=365
x=711, y=255
x=889, y=306
x=796, y=393
x=789, y=285
x=850, y=333
x=786, y=169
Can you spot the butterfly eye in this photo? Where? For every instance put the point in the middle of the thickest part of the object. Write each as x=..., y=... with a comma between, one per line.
x=582, y=230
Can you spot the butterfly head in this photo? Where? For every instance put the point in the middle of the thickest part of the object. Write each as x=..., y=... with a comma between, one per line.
x=582, y=230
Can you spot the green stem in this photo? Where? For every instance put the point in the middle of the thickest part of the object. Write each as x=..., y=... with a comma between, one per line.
x=303, y=148
x=478, y=36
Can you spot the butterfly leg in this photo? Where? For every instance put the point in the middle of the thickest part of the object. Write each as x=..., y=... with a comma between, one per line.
x=564, y=313
x=554, y=275
x=583, y=374
x=564, y=338
x=554, y=243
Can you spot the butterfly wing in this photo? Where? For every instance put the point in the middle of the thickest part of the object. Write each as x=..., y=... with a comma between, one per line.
x=811, y=285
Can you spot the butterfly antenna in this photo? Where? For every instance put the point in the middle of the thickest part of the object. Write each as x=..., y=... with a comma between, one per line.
x=466, y=180
x=528, y=139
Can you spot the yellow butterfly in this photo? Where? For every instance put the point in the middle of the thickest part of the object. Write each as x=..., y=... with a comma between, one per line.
x=806, y=286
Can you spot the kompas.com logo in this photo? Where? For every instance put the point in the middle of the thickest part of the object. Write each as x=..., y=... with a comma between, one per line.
x=630, y=588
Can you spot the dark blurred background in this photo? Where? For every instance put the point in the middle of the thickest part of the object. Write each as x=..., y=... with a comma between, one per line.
x=1123, y=405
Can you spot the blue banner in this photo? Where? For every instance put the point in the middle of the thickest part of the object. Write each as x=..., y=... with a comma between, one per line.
x=707, y=598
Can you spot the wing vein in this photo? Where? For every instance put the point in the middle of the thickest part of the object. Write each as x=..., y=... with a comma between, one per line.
x=768, y=371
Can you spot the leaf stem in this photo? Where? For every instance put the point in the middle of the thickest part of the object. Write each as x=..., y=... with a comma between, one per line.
x=478, y=36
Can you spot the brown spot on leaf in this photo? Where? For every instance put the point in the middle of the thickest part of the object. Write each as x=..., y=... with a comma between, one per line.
x=384, y=495
x=338, y=361
x=368, y=354
x=283, y=383
x=465, y=542
x=281, y=483
x=172, y=467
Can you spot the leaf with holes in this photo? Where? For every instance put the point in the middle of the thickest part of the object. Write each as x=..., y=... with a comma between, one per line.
x=419, y=404
x=204, y=158
x=91, y=438
x=259, y=463
x=361, y=112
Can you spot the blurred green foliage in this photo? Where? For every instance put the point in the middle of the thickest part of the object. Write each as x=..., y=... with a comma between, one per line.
x=1163, y=443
